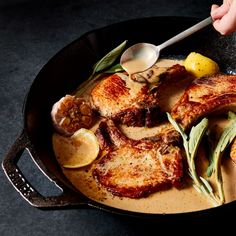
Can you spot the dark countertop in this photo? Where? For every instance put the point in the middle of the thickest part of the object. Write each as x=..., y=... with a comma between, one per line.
x=31, y=33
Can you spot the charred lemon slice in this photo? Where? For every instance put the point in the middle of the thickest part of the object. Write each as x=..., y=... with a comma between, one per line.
x=79, y=150
x=200, y=65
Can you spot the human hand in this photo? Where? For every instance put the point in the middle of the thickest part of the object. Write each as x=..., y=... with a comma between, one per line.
x=224, y=17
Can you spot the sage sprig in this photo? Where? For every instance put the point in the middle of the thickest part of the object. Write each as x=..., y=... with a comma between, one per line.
x=109, y=58
x=191, y=145
x=226, y=138
x=104, y=65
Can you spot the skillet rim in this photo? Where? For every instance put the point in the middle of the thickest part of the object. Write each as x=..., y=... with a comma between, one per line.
x=51, y=176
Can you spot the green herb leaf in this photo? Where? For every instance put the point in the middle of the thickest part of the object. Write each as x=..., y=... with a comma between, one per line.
x=182, y=133
x=102, y=64
x=196, y=135
x=197, y=188
x=210, y=150
x=191, y=145
x=206, y=183
x=114, y=69
x=177, y=126
x=226, y=138
x=109, y=58
x=210, y=168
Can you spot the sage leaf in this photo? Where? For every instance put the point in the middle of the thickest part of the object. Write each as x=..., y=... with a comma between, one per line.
x=196, y=135
x=210, y=168
x=182, y=133
x=114, y=69
x=102, y=64
x=226, y=138
x=197, y=188
x=191, y=144
x=109, y=58
x=206, y=183
x=177, y=126
x=203, y=190
x=210, y=150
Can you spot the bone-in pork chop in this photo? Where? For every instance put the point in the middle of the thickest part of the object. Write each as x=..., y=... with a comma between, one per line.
x=134, y=168
x=126, y=101
x=204, y=96
x=130, y=102
x=137, y=168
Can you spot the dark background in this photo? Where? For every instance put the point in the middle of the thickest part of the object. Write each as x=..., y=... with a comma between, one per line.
x=31, y=32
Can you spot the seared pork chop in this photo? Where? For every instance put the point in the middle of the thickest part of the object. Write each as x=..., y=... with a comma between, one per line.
x=133, y=103
x=126, y=101
x=137, y=168
x=205, y=95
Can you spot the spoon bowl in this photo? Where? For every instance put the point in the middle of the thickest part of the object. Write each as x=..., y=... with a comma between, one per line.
x=142, y=56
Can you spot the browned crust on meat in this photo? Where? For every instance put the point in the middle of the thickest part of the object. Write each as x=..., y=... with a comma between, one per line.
x=133, y=103
x=205, y=95
x=233, y=151
x=136, y=168
x=114, y=88
x=144, y=116
x=136, y=105
x=175, y=73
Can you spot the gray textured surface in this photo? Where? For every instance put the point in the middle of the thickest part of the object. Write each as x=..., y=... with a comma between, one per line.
x=31, y=32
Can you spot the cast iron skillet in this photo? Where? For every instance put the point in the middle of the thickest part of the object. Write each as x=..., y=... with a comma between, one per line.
x=70, y=67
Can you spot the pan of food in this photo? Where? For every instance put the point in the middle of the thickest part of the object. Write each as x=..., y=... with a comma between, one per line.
x=154, y=144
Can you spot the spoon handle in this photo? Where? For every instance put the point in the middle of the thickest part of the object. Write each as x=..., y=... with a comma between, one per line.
x=186, y=33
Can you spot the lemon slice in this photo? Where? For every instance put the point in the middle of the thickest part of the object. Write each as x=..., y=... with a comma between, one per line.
x=200, y=65
x=79, y=150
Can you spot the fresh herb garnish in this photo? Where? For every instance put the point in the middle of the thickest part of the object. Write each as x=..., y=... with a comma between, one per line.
x=103, y=66
x=114, y=69
x=226, y=138
x=191, y=145
x=109, y=58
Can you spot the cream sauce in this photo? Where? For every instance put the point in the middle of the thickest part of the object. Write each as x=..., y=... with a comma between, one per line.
x=142, y=59
x=170, y=201
x=134, y=66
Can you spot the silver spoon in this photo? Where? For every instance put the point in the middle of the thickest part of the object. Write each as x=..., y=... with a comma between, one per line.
x=142, y=56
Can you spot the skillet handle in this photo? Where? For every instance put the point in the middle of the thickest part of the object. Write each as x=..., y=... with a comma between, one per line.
x=27, y=191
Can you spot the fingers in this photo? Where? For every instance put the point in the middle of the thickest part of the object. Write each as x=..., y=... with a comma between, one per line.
x=226, y=25
x=214, y=7
x=224, y=17
x=218, y=12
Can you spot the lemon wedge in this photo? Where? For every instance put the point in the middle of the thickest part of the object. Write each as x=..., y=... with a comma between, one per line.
x=199, y=65
x=79, y=150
